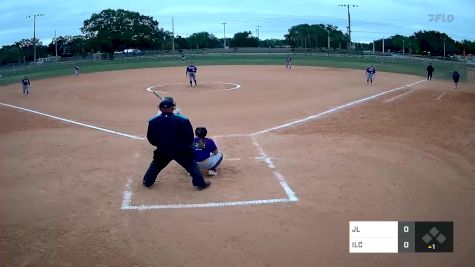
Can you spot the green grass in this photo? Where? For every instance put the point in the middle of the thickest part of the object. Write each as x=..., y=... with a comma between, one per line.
x=443, y=70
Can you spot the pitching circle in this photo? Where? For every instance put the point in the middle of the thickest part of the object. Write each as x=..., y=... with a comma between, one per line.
x=155, y=87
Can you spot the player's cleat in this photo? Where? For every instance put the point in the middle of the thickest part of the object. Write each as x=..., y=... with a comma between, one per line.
x=204, y=186
x=212, y=172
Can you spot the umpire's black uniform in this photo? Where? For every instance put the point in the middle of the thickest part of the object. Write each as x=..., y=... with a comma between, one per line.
x=172, y=135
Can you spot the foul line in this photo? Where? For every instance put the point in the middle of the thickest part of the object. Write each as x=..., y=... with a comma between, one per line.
x=440, y=96
x=76, y=122
x=333, y=110
x=290, y=194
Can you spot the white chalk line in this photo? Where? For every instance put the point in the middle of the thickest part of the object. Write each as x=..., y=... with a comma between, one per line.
x=440, y=96
x=127, y=200
x=290, y=193
x=237, y=159
x=207, y=205
x=151, y=88
x=291, y=196
x=399, y=96
x=338, y=108
x=75, y=122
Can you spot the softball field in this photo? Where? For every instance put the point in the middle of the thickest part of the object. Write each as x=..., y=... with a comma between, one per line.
x=306, y=151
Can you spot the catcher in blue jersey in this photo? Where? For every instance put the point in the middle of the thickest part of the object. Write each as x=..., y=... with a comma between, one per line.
x=191, y=74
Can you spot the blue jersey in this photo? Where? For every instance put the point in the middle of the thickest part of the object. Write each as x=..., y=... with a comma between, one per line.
x=370, y=70
x=202, y=148
x=191, y=69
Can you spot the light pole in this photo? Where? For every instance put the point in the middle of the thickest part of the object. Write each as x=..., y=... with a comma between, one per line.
x=56, y=46
x=224, y=35
x=403, y=47
x=173, y=35
x=257, y=27
x=34, y=33
x=444, y=48
x=349, y=23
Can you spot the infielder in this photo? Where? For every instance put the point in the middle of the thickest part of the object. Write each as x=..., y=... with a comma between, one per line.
x=370, y=74
x=456, y=78
x=288, y=63
x=26, y=85
x=191, y=74
x=76, y=70
x=205, y=152
x=430, y=70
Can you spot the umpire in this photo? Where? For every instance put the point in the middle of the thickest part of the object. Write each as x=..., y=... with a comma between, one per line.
x=172, y=134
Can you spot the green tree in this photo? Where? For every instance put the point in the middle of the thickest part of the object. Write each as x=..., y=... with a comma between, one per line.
x=316, y=35
x=203, y=40
x=69, y=46
x=432, y=42
x=10, y=54
x=181, y=43
x=114, y=29
x=244, y=39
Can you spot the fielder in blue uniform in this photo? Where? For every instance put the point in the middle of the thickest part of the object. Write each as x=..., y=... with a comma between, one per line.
x=370, y=74
x=456, y=78
x=191, y=74
x=430, y=70
x=26, y=85
x=172, y=135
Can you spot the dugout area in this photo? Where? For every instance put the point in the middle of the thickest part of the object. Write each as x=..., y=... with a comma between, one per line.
x=404, y=155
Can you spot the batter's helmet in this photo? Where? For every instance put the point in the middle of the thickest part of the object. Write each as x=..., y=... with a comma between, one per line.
x=201, y=132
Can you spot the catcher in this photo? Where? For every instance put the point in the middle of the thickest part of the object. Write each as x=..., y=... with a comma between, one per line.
x=205, y=152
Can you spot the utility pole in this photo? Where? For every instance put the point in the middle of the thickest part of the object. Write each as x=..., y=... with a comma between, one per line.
x=56, y=45
x=257, y=27
x=383, y=45
x=444, y=49
x=173, y=35
x=403, y=47
x=349, y=22
x=316, y=41
x=224, y=35
x=328, y=42
x=34, y=33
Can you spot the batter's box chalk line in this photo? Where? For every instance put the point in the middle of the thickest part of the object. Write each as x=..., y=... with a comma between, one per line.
x=290, y=194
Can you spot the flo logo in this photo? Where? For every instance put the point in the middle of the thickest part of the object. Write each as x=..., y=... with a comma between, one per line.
x=441, y=18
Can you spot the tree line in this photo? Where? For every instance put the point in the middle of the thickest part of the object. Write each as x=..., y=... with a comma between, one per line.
x=115, y=30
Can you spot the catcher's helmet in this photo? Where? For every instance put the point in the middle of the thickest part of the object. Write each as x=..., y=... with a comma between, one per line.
x=201, y=132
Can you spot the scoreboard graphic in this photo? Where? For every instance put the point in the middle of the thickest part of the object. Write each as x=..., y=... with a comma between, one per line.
x=404, y=236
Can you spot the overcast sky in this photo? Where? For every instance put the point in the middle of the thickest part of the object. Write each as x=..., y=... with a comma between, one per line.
x=372, y=19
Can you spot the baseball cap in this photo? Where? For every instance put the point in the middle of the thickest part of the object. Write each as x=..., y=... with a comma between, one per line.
x=166, y=104
x=169, y=99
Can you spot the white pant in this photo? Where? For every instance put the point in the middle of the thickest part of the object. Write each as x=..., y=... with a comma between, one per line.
x=211, y=162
